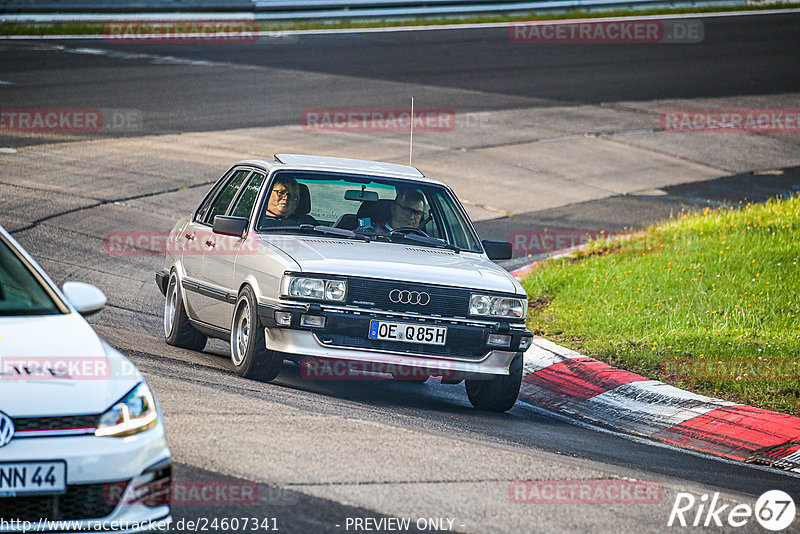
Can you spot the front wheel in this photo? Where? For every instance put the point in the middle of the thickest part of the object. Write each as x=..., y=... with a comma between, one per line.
x=499, y=393
x=249, y=354
x=178, y=331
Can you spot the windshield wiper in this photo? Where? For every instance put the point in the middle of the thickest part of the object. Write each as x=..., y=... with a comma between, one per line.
x=422, y=240
x=320, y=229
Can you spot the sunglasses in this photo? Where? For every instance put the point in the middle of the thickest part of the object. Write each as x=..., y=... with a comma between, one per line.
x=411, y=212
x=284, y=193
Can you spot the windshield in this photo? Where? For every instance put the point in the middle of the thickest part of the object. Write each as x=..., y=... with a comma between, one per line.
x=20, y=290
x=377, y=207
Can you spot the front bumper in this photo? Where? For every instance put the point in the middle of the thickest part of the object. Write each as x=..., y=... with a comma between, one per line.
x=344, y=337
x=105, y=475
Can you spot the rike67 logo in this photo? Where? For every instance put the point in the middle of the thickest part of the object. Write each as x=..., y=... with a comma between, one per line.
x=774, y=510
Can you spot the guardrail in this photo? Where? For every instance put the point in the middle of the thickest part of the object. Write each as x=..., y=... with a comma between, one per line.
x=316, y=9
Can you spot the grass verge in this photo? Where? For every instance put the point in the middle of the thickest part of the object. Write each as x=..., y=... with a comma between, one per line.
x=708, y=301
x=97, y=28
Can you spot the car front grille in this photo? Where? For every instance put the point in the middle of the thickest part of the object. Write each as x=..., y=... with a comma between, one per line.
x=80, y=501
x=56, y=423
x=373, y=293
x=463, y=341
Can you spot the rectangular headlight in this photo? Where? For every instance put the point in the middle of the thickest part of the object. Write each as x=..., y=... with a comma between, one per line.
x=310, y=287
x=491, y=306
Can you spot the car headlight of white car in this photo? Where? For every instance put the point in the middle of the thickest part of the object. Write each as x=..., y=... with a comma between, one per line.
x=307, y=287
x=134, y=413
x=493, y=306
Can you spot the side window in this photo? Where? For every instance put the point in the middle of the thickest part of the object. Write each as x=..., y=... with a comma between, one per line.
x=220, y=204
x=244, y=204
x=455, y=225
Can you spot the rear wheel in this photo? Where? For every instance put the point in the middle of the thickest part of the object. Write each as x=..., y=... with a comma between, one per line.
x=178, y=331
x=249, y=353
x=499, y=393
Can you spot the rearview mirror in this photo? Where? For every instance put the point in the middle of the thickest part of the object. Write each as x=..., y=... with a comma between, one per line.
x=228, y=225
x=497, y=250
x=364, y=196
x=85, y=298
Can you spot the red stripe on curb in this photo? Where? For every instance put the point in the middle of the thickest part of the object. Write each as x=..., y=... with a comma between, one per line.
x=735, y=432
x=574, y=381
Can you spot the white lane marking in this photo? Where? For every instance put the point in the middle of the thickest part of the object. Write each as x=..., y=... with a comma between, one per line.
x=160, y=60
x=3, y=82
x=6, y=150
x=391, y=29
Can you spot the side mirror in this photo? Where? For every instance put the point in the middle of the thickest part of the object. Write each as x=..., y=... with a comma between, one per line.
x=85, y=298
x=497, y=250
x=227, y=225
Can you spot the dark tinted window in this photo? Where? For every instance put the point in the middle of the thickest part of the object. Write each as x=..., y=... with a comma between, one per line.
x=21, y=293
x=220, y=204
x=244, y=204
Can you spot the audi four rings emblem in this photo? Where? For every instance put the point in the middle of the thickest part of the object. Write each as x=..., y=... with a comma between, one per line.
x=419, y=298
x=6, y=429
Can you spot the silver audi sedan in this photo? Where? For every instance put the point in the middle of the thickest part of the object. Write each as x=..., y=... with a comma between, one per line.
x=348, y=267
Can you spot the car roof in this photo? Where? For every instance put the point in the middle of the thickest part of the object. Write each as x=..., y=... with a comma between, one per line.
x=329, y=163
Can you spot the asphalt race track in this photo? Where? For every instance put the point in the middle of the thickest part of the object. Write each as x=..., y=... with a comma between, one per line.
x=320, y=452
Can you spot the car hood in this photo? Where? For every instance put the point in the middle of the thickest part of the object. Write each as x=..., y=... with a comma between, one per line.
x=396, y=261
x=58, y=365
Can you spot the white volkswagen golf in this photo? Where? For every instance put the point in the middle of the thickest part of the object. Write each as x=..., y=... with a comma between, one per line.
x=323, y=259
x=82, y=443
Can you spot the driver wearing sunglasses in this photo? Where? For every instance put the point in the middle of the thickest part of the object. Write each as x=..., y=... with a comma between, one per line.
x=407, y=209
x=282, y=205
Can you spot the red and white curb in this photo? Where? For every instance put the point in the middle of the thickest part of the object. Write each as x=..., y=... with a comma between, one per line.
x=566, y=382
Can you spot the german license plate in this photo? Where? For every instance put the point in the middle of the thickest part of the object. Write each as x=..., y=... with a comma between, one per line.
x=33, y=477
x=408, y=333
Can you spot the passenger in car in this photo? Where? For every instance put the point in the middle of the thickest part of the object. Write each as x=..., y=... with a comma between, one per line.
x=288, y=204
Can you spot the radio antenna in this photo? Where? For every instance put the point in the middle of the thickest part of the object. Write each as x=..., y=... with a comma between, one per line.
x=411, y=138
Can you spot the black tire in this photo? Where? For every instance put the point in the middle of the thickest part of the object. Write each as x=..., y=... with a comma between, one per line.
x=178, y=331
x=498, y=394
x=249, y=353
